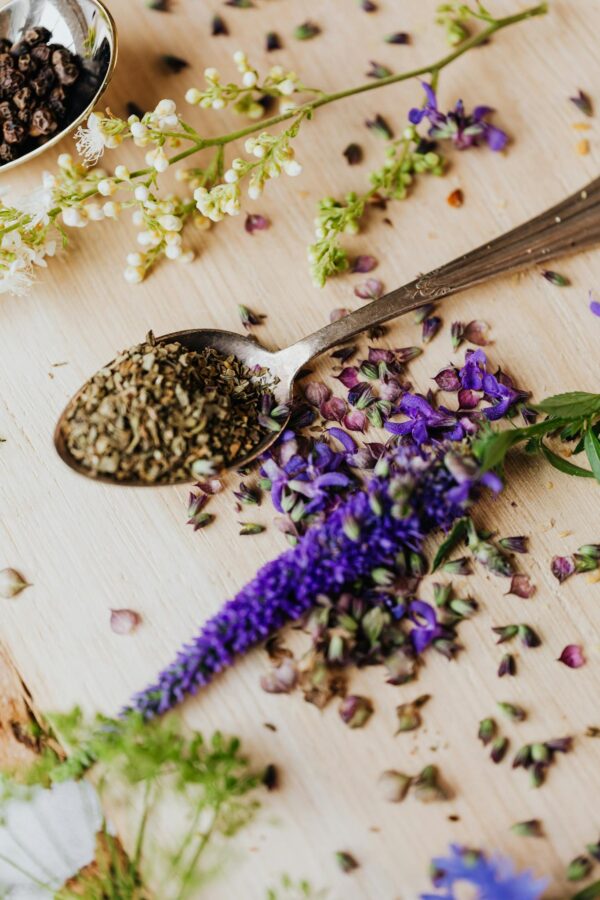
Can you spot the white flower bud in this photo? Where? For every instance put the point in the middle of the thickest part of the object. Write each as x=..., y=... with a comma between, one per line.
x=230, y=176
x=286, y=106
x=218, y=103
x=286, y=87
x=137, y=217
x=173, y=251
x=170, y=223
x=211, y=74
x=186, y=257
x=141, y=193
x=249, y=79
x=135, y=259
x=94, y=212
x=73, y=217
x=193, y=96
x=138, y=130
x=165, y=108
x=292, y=167
x=106, y=187
x=65, y=161
x=254, y=191
x=133, y=274
x=122, y=172
x=240, y=58
x=111, y=209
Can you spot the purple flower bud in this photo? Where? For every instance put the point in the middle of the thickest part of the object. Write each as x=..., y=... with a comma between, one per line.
x=572, y=656
x=355, y=711
x=521, y=586
x=348, y=376
x=431, y=326
x=333, y=409
x=516, y=544
x=448, y=379
x=371, y=289
x=363, y=264
x=317, y=393
x=562, y=567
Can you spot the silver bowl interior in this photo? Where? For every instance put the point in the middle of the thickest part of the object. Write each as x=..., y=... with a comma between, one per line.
x=83, y=26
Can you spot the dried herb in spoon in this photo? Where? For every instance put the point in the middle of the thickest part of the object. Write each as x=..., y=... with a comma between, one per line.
x=163, y=413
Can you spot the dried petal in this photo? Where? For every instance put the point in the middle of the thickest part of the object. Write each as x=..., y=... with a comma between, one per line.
x=256, y=222
x=174, y=64
x=354, y=155
x=572, y=656
x=355, y=710
x=460, y=566
x=397, y=37
x=333, y=410
x=427, y=787
x=562, y=567
x=422, y=312
x=282, y=679
x=316, y=392
x=499, y=748
x=476, y=333
x=339, y=313
x=448, y=379
x=529, y=637
x=355, y=420
x=371, y=289
x=583, y=103
x=516, y=544
x=380, y=127
x=345, y=861
x=505, y=632
x=218, y=26
x=363, y=264
x=508, y=665
x=11, y=583
x=306, y=31
x=249, y=318
x=487, y=731
x=393, y=786
x=556, y=278
x=124, y=621
x=213, y=486
x=272, y=41
x=251, y=528
x=521, y=586
x=377, y=70
x=348, y=376
x=408, y=715
x=512, y=711
x=431, y=326
x=530, y=828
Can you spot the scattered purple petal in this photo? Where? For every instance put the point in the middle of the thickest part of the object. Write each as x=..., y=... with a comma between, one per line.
x=340, y=313
x=448, y=379
x=572, y=656
x=281, y=679
x=363, y=264
x=380, y=127
x=256, y=222
x=397, y=37
x=431, y=326
x=272, y=42
x=317, y=393
x=348, y=376
x=521, y=586
x=594, y=304
x=476, y=333
x=464, y=130
x=583, y=103
x=371, y=289
x=333, y=410
x=562, y=567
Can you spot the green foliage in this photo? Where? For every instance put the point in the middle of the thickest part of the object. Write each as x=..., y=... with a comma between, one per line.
x=288, y=889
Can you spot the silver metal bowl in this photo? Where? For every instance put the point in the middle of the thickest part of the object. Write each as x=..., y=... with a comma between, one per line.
x=83, y=26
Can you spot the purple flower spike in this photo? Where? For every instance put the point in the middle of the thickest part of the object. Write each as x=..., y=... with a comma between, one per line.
x=462, y=129
x=562, y=567
x=493, y=878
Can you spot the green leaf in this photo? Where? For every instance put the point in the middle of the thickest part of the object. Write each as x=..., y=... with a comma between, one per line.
x=563, y=465
x=456, y=534
x=591, y=892
x=592, y=448
x=493, y=447
x=570, y=405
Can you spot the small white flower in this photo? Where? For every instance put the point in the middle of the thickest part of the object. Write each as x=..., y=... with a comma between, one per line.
x=173, y=238
x=249, y=79
x=65, y=161
x=111, y=209
x=211, y=74
x=135, y=259
x=138, y=130
x=157, y=159
x=137, y=217
x=173, y=251
x=100, y=133
x=222, y=200
x=107, y=187
x=286, y=87
x=193, y=96
x=141, y=193
x=94, y=212
x=240, y=59
x=231, y=176
x=170, y=223
x=165, y=108
x=74, y=217
x=218, y=103
x=134, y=274
x=122, y=173
x=186, y=257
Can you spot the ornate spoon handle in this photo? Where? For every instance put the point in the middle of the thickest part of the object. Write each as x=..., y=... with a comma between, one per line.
x=565, y=228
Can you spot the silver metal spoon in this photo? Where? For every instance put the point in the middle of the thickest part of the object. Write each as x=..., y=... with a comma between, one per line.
x=83, y=26
x=565, y=228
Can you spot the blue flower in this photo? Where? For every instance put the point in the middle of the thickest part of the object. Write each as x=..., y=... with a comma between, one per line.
x=463, y=130
x=494, y=877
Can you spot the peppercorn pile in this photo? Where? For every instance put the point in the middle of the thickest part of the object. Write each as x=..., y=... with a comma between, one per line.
x=36, y=78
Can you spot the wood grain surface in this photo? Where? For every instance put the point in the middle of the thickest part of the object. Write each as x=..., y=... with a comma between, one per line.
x=88, y=548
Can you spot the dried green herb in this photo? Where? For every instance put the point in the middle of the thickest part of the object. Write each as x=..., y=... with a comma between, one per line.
x=163, y=413
x=306, y=31
x=251, y=528
x=513, y=712
x=427, y=787
x=499, y=748
x=530, y=828
x=487, y=731
x=408, y=714
x=346, y=862
x=579, y=868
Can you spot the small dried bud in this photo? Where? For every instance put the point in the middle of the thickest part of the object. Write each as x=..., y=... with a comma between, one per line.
x=555, y=278
x=355, y=711
x=408, y=715
x=530, y=828
x=499, y=748
x=427, y=787
x=460, y=566
x=523, y=757
x=251, y=528
x=529, y=637
x=346, y=861
x=515, y=544
x=393, y=786
x=354, y=155
x=43, y=122
x=512, y=711
x=282, y=679
x=487, y=731
x=124, y=621
x=270, y=777
x=11, y=583
x=505, y=632
x=579, y=868
x=539, y=753
x=508, y=665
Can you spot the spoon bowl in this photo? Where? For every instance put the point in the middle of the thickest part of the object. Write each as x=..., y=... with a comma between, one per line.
x=83, y=26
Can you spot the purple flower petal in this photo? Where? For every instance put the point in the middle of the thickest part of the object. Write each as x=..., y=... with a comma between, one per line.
x=572, y=656
x=371, y=289
x=467, y=399
x=256, y=222
x=562, y=567
x=594, y=304
x=521, y=586
x=380, y=354
x=363, y=264
x=496, y=138
x=448, y=379
x=346, y=440
x=355, y=420
x=316, y=392
x=348, y=376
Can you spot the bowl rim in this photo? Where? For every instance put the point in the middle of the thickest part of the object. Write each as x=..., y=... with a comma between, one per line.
x=114, y=50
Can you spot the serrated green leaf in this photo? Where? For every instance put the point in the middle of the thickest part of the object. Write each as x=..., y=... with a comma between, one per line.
x=456, y=534
x=591, y=446
x=571, y=405
x=563, y=465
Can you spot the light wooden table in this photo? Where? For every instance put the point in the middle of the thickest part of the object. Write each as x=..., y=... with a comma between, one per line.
x=88, y=548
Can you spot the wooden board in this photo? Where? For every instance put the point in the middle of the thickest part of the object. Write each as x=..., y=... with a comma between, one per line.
x=87, y=548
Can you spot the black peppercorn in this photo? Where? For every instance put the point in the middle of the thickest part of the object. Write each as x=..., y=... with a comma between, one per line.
x=13, y=132
x=5, y=45
x=65, y=67
x=23, y=98
x=24, y=116
x=10, y=82
x=26, y=63
x=41, y=52
x=43, y=122
x=6, y=154
x=7, y=63
x=6, y=110
x=43, y=81
x=37, y=35
x=56, y=101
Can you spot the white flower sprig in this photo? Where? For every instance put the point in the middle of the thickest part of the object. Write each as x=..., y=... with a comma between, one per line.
x=77, y=195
